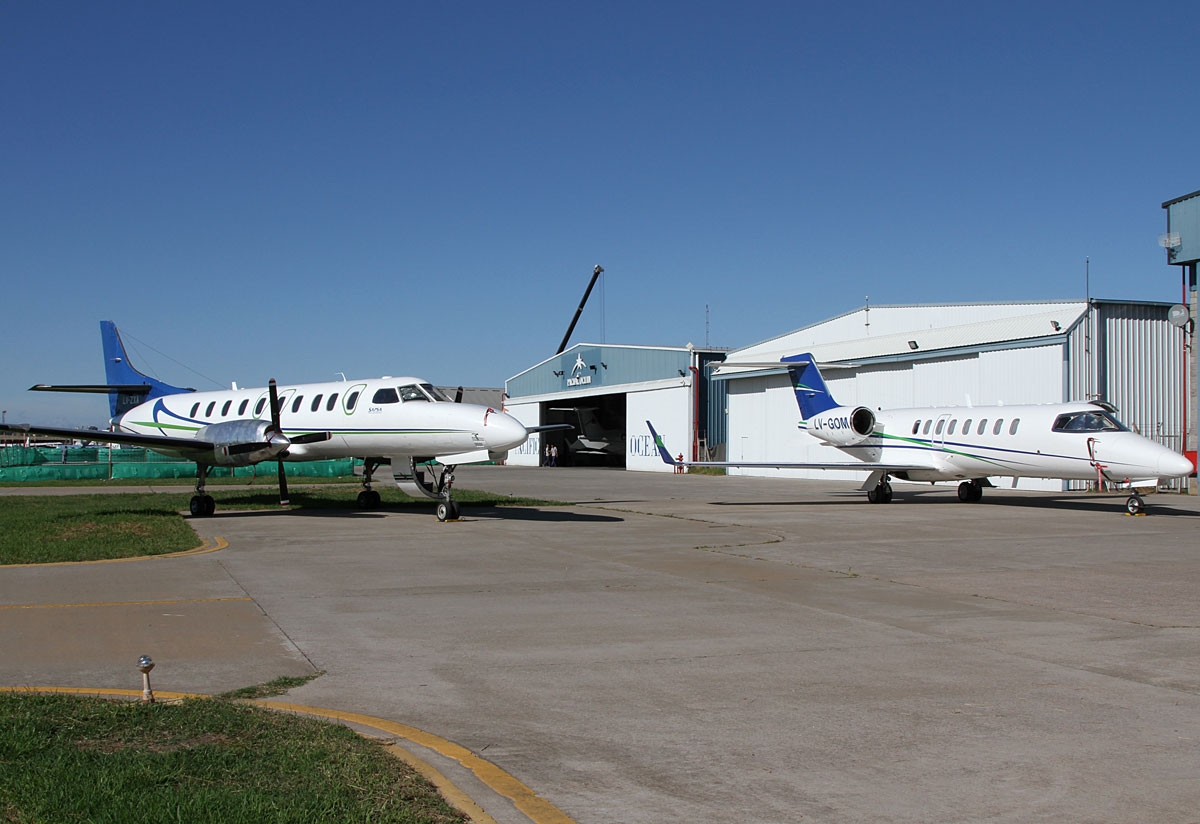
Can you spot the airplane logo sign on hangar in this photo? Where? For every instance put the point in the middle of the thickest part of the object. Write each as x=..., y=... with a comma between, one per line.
x=582, y=373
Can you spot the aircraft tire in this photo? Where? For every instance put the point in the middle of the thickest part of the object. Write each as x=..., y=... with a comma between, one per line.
x=968, y=493
x=885, y=494
x=202, y=506
x=443, y=510
x=1135, y=505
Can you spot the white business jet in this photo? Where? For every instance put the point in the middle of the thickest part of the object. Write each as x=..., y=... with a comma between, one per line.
x=1072, y=441
x=404, y=421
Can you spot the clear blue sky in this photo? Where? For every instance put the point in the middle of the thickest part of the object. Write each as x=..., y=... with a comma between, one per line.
x=292, y=190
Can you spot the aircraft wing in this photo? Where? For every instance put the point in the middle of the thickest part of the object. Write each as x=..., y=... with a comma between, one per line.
x=862, y=466
x=181, y=445
x=550, y=427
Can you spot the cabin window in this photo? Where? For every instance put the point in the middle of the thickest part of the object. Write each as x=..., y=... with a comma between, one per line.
x=195, y=409
x=386, y=395
x=316, y=404
x=982, y=426
x=941, y=424
x=953, y=426
x=225, y=408
x=258, y=407
x=296, y=404
x=332, y=402
x=1012, y=427
x=916, y=427
x=412, y=393
x=242, y=406
x=1087, y=422
x=998, y=426
x=928, y=424
x=208, y=410
x=351, y=401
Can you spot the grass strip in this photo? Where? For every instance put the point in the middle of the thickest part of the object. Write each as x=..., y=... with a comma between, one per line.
x=76, y=758
x=37, y=529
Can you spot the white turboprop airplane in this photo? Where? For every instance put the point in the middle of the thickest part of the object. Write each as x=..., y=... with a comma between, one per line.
x=404, y=421
x=1072, y=441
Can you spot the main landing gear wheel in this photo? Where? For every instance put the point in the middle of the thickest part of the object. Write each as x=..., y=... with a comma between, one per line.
x=881, y=494
x=1135, y=505
x=202, y=506
x=369, y=499
x=970, y=492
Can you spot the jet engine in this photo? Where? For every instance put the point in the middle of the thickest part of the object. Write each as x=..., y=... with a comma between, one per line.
x=842, y=425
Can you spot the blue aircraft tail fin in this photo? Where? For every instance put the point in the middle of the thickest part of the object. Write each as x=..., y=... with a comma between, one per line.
x=127, y=386
x=811, y=392
x=662, y=449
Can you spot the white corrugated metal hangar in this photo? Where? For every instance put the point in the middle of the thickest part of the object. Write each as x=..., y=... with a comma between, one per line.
x=1127, y=353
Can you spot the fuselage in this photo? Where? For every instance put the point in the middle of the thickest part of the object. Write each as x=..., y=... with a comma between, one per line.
x=1083, y=441
x=383, y=417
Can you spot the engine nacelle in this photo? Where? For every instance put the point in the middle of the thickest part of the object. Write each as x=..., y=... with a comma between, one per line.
x=240, y=433
x=842, y=426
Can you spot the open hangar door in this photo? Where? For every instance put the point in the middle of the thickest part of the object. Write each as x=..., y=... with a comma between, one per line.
x=598, y=437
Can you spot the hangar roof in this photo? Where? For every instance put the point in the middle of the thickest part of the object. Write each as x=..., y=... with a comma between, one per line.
x=907, y=332
x=589, y=368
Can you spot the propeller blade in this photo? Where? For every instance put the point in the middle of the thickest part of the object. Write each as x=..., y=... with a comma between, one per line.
x=458, y=395
x=273, y=390
x=311, y=437
x=283, y=493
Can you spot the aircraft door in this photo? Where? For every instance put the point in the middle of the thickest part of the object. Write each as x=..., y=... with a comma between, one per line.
x=938, y=436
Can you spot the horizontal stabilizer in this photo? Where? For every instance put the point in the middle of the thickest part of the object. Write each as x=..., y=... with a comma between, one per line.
x=142, y=389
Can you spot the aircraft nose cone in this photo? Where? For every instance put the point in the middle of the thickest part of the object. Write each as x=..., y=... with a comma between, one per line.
x=1174, y=465
x=503, y=432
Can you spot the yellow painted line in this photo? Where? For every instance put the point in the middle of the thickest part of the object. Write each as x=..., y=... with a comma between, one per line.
x=536, y=808
x=218, y=543
x=128, y=603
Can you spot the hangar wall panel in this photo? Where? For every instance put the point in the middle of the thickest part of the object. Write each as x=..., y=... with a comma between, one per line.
x=667, y=409
x=528, y=453
x=1014, y=376
x=888, y=385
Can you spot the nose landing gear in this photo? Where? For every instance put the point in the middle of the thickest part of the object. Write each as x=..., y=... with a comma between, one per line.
x=202, y=504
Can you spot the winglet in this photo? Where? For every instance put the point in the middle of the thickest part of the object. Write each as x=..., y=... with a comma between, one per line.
x=662, y=450
x=812, y=394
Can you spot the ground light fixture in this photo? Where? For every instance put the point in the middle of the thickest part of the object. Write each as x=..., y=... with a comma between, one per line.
x=145, y=665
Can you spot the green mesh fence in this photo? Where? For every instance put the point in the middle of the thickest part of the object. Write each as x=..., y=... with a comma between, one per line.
x=19, y=463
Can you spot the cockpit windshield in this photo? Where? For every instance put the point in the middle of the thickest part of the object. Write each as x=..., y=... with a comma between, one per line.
x=422, y=392
x=1098, y=421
